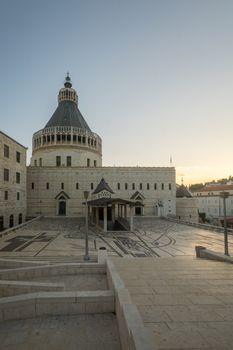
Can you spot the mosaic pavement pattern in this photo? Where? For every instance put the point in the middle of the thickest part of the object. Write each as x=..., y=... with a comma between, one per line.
x=50, y=238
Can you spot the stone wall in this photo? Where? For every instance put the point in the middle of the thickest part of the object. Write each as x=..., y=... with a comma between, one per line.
x=187, y=209
x=42, y=201
x=14, y=204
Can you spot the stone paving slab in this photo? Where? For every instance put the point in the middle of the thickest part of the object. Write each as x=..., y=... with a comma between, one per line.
x=83, y=332
x=182, y=300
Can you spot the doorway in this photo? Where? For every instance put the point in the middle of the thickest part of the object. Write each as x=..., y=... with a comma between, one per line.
x=138, y=210
x=62, y=208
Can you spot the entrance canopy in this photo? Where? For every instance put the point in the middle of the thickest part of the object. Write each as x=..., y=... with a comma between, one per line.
x=110, y=211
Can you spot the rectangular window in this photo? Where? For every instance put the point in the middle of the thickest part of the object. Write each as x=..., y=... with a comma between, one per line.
x=133, y=186
x=155, y=187
x=140, y=186
x=148, y=186
x=95, y=163
x=18, y=178
x=40, y=160
x=88, y=162
x=6, y=151
x=126, y=186
x=17, y=157
x=35, y=162
x=62, y=185
x=6, y=174
x=32, y=185
x=170, y=187
x=47, y=185
x=68, y=161
x=162, y=186
x=77, y=186
x=118, y=186
x=1, y=223
x=92, y=186
x=6, y=195
x=18, y=196
x=58, y=160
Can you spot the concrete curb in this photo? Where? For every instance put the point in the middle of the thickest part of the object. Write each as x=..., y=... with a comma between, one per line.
x=15, y=263
x=11, y=288
x=52, y=270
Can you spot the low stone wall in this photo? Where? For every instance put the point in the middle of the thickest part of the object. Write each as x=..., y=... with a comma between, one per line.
x=15, y=263
x=133, y=334
x=14, y=228
x=199, y=225
x=202, y=252
x=52, y=270
x=10, y=288
x=56, y=303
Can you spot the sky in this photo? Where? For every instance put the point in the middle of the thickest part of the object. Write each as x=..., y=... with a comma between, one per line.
x=154, y=78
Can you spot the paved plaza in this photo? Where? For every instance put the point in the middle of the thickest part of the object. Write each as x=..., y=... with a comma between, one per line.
x=186, y=302
x=63, y=238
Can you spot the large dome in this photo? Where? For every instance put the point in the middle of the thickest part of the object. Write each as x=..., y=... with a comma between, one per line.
x=66, y=140
x=68, y=114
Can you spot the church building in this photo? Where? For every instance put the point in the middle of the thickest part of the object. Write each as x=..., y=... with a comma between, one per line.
x=66, y=172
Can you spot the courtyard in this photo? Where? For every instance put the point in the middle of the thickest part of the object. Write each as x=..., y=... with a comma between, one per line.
x=63, y=239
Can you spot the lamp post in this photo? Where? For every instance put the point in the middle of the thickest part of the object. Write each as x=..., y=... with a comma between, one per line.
x=86, y=256
x=225, y=195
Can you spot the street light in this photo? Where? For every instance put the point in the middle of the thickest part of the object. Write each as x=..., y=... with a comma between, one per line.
x=86, y=256
x=225, y=195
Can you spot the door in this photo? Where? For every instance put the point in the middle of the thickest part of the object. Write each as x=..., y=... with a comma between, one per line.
x=138, y=210
x=62, y=208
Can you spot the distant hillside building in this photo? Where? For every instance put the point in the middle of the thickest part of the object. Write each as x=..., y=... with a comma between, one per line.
x=67, y=160
x=211, y=204
x=12, y=182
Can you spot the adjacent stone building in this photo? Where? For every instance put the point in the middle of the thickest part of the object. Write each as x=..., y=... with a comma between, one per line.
x=12, y=182
x=186, y=205
x=67, y=160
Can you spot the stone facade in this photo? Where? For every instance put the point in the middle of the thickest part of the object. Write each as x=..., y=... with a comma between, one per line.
x=12, y=182
x=46, y=186
x=187, y=209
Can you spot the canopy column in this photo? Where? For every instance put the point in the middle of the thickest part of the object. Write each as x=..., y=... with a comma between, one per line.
x=105, y=220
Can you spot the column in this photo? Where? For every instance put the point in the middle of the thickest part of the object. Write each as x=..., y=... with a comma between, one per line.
x=125, y=211
x=71, y=135
x=105, y=220
x=113, y=213
x=97, y=217
x=131, y=218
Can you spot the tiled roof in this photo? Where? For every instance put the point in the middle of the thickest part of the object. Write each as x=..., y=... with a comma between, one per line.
x=103, y=185
x=216, y=188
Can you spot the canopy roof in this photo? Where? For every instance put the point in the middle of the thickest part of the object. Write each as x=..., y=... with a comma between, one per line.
x=104, y=202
